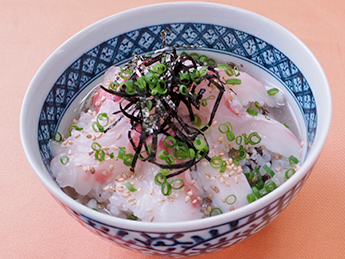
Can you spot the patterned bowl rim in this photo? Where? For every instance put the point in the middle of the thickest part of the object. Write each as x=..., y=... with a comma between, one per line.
x=200, y=12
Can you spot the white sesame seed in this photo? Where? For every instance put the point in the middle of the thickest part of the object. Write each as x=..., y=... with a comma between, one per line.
x=119, y=136
x=149, y=210
x=204, y=163
x=187, y=199
x=236, y=179
x=125, y=195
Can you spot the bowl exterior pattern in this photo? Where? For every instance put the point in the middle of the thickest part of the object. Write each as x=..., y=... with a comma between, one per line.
x=190, y=243
x=119, y=49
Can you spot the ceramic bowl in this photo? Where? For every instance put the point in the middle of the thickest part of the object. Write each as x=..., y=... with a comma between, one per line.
x=265, y=49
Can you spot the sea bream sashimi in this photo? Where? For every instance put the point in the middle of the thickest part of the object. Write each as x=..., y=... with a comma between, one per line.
x=175, y=141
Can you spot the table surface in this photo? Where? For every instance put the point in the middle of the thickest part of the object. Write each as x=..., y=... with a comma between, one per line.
x=33, y=225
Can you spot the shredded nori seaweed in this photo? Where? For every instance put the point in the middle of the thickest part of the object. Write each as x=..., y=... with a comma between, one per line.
x=163, y=118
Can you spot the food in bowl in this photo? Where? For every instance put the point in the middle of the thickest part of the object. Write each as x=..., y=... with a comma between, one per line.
x=173, y=137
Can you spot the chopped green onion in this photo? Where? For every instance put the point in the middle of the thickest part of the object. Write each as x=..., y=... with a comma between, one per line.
x=259, y=184
x=151, y=79
x=148, y=152
x=141, y=83
x=73, y=127
x=211, y=62
x=202, y=153
x=233, y=81
x=127, y=159
x=273, y=91
x=179, y=182
x=181, y=151
x=122, y=152
x=56, y=136
x=223, y=167
x=197, y=120
x=270, y=186
x=203, y=71
x=290, y=173
x=204, y=101
x=184, y=78
x=216, y=162
x=165, y=172
x=132, y=217
x=202, y=58
x=111, y=155
x=159, y=68
x=97, y=127
x=250, y=176
x=256, y=192
x=191, y=153
x=252, y=136
x=231, y=199
x=194, y=55
x=125, y=74
x=102, y=119
x=183, y=90
x=96, y=146
x=257, y=105
x=64, y=160
x=293, y=160
x=166, y=189
x=239, y=140
x=100, y=155
x=217, y=210
x=169, y=160
x=207, y=128
x=130, y=187
x=199, y=143
x=163, y=153
x=230, y=135
x=160, y=179
x=228, y=70
x=285, y=125
x=268, y=170
x=251, y=111
x=251, y=197
x=113, y=86
x=238, y=154
x=169, y=142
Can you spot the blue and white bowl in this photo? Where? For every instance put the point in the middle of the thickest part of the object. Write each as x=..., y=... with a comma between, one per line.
x=265, y=49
